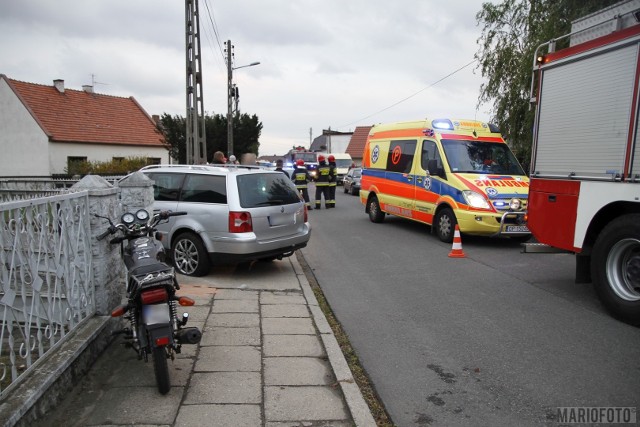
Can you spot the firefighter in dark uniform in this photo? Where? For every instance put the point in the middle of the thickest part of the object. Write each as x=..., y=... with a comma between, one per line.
x=301, y=178
x=333, y=181
x=322, y=182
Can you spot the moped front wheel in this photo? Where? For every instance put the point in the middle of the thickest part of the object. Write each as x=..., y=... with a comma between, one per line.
x=161, y=369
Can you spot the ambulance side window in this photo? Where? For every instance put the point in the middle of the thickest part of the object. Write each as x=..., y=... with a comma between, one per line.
x=429, y=152
x=400, y=156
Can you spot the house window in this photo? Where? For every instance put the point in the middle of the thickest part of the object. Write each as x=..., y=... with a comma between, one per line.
x=154, y=160
x=76, y=165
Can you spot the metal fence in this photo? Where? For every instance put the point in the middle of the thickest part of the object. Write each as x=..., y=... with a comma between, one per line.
x=45, y=278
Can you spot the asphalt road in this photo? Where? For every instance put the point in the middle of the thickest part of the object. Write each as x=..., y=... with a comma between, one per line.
x=496, y=338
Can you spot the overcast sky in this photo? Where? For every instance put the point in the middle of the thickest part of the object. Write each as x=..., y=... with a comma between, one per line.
x=323, y=64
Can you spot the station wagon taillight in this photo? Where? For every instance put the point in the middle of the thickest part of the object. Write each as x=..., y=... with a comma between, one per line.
x=240, y=222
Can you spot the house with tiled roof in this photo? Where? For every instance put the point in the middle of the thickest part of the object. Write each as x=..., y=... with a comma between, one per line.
x=357, y=142
x=45, y=128
x=331, y=141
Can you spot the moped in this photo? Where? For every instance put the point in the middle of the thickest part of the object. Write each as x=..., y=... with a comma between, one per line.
x=154, y=327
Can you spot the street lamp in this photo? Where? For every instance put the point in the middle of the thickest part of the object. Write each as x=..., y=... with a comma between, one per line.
x=230, y=96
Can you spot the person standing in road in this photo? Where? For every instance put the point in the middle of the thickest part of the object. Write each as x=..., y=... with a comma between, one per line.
x=322, y=182
x=279, y=168
x=333, y=178
x=301, y=178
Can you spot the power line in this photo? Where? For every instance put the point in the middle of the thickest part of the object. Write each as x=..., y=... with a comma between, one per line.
x=410, y=96
x=215, y=28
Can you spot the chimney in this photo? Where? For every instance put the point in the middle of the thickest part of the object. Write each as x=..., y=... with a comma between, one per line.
x=59, y=84
x=155, y=118
x=87, y=88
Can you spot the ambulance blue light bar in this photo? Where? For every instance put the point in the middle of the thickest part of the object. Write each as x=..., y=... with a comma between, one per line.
x=442, y=124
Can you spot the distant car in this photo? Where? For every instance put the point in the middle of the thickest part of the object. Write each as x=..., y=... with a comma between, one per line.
x=352, y=181
x=234, y=214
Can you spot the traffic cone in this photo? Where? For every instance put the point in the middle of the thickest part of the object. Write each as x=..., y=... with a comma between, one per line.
x=456, y=250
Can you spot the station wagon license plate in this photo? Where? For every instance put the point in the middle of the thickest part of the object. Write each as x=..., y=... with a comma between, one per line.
x=156, y=313
x=517, y=229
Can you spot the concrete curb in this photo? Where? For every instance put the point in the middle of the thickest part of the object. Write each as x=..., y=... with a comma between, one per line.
x=352, y=394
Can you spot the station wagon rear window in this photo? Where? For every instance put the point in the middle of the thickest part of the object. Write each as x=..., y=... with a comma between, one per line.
x=257, y=190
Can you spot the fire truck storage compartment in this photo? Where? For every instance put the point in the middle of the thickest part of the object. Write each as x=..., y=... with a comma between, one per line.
x=584, y=111
x=555, y=202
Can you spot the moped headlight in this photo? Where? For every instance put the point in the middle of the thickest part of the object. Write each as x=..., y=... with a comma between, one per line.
x=475, y=200
x=515, y=204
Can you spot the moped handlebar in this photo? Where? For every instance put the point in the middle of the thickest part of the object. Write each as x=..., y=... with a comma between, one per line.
x=103, y=235
x=127, y=230
x=167, y=214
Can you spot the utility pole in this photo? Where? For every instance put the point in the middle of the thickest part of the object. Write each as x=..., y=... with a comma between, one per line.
x=229, y=99
x=232, y=93
x=196, y=139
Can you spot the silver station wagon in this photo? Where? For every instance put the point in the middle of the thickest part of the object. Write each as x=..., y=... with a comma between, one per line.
x=235, y=214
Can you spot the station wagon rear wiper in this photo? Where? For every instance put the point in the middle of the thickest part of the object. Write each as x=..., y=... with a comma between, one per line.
x=271, y=203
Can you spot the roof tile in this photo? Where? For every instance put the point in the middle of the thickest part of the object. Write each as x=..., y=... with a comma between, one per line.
x=357, y=142
x=79, y=116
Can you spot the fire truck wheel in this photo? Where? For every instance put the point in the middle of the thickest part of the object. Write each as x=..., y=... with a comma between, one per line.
x=445, y=224
x=375, y=213
x=615, y=268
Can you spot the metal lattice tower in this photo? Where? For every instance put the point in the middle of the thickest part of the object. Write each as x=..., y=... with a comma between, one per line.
x=196, y=140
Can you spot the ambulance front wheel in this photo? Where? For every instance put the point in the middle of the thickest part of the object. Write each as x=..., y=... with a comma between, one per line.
x=375, y=213
x=615, y=268
x=445, y=224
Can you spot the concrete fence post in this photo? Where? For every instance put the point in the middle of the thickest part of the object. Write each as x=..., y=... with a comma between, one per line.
x=108, y=268
x=136, y=192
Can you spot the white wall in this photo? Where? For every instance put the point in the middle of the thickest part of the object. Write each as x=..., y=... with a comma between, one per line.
x=23, y=144
x=59, y=151
x=338, y=143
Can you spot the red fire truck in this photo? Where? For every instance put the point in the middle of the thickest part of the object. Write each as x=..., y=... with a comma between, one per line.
x=584, y=194
x=310, y=159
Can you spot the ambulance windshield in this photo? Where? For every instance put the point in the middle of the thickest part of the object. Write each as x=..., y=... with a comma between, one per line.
x=480, y=157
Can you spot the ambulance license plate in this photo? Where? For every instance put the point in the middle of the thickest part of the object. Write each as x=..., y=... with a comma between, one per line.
x=517, y=229
x=156, y=313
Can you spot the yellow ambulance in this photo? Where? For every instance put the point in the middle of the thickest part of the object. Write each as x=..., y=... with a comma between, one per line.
x=445, y=172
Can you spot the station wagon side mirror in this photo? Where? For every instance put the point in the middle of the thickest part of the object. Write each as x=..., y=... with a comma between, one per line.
x=432, y=167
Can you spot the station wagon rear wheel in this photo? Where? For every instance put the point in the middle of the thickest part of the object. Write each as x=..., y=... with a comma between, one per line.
x=190, y=256
x=445, y=224
x=375, y=213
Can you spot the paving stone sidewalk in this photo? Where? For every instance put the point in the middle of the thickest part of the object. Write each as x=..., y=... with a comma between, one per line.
x=267, y=358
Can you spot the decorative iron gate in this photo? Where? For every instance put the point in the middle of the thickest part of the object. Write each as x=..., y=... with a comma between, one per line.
x=45, y=278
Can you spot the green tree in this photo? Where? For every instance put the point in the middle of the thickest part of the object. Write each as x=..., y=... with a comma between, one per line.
x=246, y=134
x=174, y=130
x=511, y=32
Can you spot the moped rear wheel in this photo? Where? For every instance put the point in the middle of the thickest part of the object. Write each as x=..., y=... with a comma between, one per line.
x=161, y=369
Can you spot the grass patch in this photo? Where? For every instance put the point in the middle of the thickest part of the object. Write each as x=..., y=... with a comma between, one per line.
x=359, y=374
